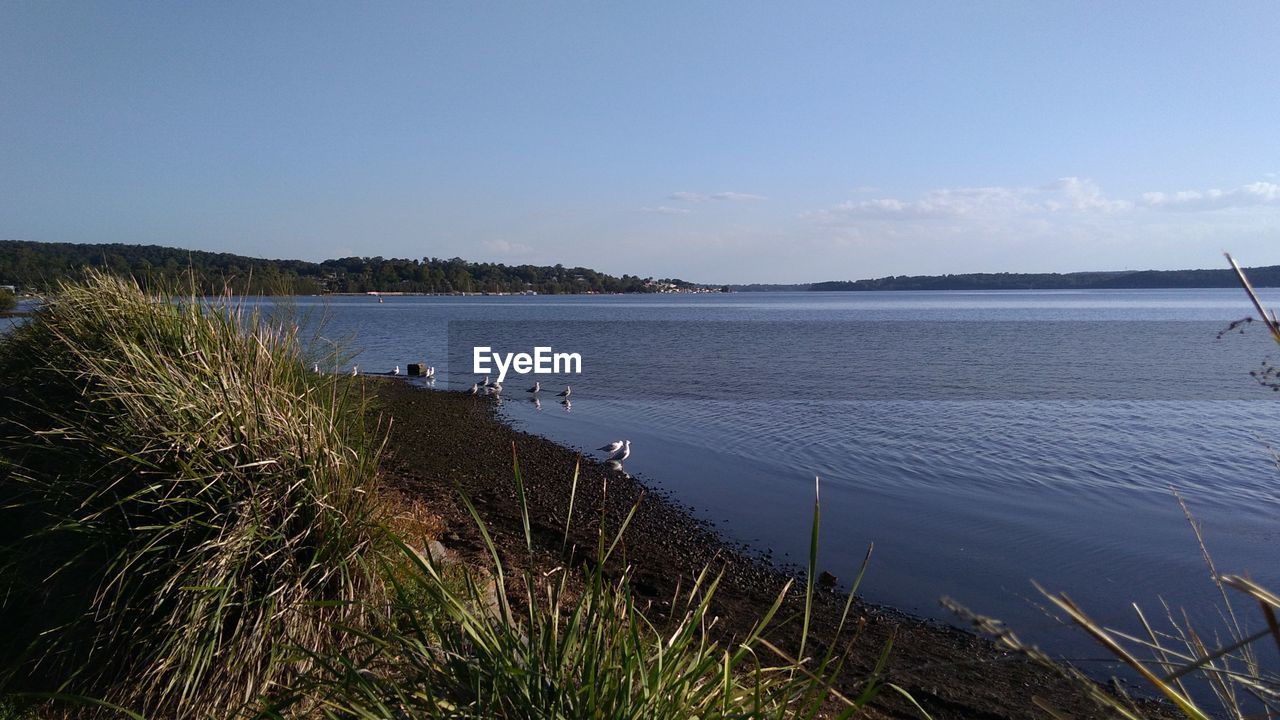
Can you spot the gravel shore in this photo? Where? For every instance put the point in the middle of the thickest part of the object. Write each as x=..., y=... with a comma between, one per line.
x=440, y=442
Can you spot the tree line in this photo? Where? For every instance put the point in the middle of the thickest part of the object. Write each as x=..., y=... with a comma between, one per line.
x=37, y=267
x=1138, y=279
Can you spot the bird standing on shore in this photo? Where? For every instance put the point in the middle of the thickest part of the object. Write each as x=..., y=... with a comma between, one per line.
x=564, y=393
x=475, y=388
x=619, y=455
x=355, y=370
x=396, y=371
x=612, y=447
x=315, y=368
x=536, y=387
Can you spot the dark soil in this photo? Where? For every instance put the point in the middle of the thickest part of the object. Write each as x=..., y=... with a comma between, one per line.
x=444, y=441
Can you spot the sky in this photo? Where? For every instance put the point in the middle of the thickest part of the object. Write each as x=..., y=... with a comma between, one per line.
x=711, y=141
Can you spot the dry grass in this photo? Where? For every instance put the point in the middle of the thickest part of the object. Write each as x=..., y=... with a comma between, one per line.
x=179, y=498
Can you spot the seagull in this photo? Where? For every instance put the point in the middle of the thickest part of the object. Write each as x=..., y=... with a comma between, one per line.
x=475, y=388
x=396, y=371
x=620, y=455
x=315, y=368
x=564, y=393
x=536, y=387
x=496, y=388
x=355, y=370
x=612, y=447
x=487, y=382
x=431, y=371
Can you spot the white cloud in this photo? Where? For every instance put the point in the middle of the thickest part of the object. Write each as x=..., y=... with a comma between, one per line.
x=704, y=197
x=737, y=197
x=1253, y=194
x=935, y=204
x=1070, y=223
x=665, y=210
x=1073, y=193
x=504, y=247
x=1065, y=196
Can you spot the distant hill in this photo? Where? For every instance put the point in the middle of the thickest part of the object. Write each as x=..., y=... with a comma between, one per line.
x=37, y=266
x=1268, y=276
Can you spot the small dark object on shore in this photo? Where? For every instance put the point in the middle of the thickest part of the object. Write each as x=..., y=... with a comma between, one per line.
x=826, y=580
x=416, y=369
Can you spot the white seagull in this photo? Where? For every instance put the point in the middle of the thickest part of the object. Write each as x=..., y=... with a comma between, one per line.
x=396, y=371
x=564, y=393
x=536, y=387
x=475, y=388
x=620, y=455
x=316, y=368
x=355, y=370
x=612, y=447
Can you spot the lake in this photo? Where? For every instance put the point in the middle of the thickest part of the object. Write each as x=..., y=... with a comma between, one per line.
x=979, y=439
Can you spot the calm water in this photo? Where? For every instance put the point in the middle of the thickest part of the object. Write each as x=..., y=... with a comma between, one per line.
x=980, y=440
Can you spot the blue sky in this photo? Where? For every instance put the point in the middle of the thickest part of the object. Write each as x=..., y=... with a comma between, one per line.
x=722, y=142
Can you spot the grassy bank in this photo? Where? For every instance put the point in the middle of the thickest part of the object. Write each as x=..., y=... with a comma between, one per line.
x=192, y=526
x=195, y=524
x=181, y=500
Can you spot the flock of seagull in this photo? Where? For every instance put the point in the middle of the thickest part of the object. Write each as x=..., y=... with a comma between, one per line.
x=615, y=452
x=494, y=387
x=429, y=373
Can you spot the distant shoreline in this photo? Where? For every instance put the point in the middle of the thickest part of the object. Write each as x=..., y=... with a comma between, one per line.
x=47, y=263
x=1114, y=280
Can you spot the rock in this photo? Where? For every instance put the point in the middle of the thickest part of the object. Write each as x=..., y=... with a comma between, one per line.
x=441, y=554
x=826, y=580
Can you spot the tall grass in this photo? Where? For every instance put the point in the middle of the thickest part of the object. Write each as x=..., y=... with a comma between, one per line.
x=179, y=498
x=569, y=642
x=190, y=526
x=1171, y=654
x=1202, y=671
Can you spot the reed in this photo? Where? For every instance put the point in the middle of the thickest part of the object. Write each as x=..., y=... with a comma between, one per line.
x=179, y=497
x=566, y=642
x=1202, y=672
x=1224, y=662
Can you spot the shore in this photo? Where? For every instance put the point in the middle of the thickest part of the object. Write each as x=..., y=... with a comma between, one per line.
x=440, y=440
